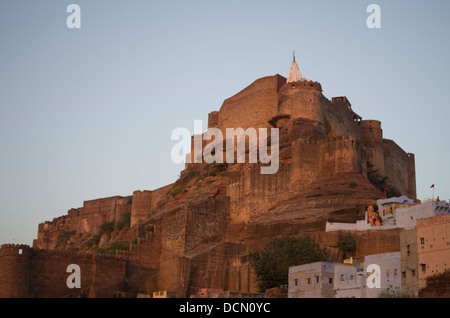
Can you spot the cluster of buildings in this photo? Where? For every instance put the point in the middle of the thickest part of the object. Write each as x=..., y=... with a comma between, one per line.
x=424, y=252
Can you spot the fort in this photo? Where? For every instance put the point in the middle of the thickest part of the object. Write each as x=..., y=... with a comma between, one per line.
x=198, y=232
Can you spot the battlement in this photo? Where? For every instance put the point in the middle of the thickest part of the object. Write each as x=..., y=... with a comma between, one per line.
x=325, y=140
x=344, y=100
x=14, y=249
x=301, y=85
x=79, y=256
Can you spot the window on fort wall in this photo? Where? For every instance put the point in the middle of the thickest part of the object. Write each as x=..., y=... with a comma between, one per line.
x=20, y=251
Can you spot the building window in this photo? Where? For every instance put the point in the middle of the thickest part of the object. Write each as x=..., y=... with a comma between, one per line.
x=317, y=279
x=422, y=240
x=330, y=280
x=424, y=267
x=408, y=250
x=403, y=274
x=395, y=272
x=413, y=272
x=295, y=282
x=309, y=281
x=342, y=277
x=387, y=273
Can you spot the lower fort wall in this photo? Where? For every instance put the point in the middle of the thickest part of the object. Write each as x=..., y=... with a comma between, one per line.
x=28, y=272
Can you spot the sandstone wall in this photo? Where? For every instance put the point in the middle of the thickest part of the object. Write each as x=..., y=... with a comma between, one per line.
x=15, y=262
x=376, y=242
x=302, y=100
x=411, y=168
x=100, y=274
x=82, y=220
x=43, y=273
x=141, y=206
x=252, y=192
x=372, y=139
x=396, y=166
x=253, y=107
x=341, y=119
x=206, y=221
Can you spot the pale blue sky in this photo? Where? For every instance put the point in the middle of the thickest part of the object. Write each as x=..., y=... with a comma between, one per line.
x=88, y=113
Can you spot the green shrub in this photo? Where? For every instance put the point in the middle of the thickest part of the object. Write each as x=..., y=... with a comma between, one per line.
x=347, y=244
x=94, y=240
x=161, y=203
x=106, y=227
x=175, y=190
x=352, y=184
x=64, y=236
x=190, y=175
x=111, y=249
x=125, y=221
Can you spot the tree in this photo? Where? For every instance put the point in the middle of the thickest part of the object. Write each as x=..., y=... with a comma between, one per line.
x=271, y=265
x=347, y=244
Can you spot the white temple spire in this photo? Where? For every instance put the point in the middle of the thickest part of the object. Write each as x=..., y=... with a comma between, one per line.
x=294, y=72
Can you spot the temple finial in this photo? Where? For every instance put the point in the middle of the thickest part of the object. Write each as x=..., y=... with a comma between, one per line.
x=294, y=72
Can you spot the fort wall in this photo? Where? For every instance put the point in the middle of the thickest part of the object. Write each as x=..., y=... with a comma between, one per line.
x=411, y=169
x=29, y=272
x=340, y=118
x=82, y=220
x=372, y=139
x=301, y=100
x=15, y=262
x=396, y=166
x=251, y=107
x=252, y=192
x=201, y=242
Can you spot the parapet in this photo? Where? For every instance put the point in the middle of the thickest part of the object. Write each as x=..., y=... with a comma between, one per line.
x=371, y=131
x=213, y=119
x=325, y=140
x=14, y=249
x=302, y=85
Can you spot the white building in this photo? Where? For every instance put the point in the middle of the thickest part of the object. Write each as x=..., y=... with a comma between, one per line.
x=325, y=280
x=390, y=275
x=397, y=212
x=341, y=280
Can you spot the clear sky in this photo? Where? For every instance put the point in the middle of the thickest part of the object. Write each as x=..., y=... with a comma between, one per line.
x=88, y=113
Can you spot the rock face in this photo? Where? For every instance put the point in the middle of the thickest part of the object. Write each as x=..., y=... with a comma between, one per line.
x=198, y=232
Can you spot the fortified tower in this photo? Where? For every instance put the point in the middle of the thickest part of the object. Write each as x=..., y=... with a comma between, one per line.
x=15, y=263
x=372, y=139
